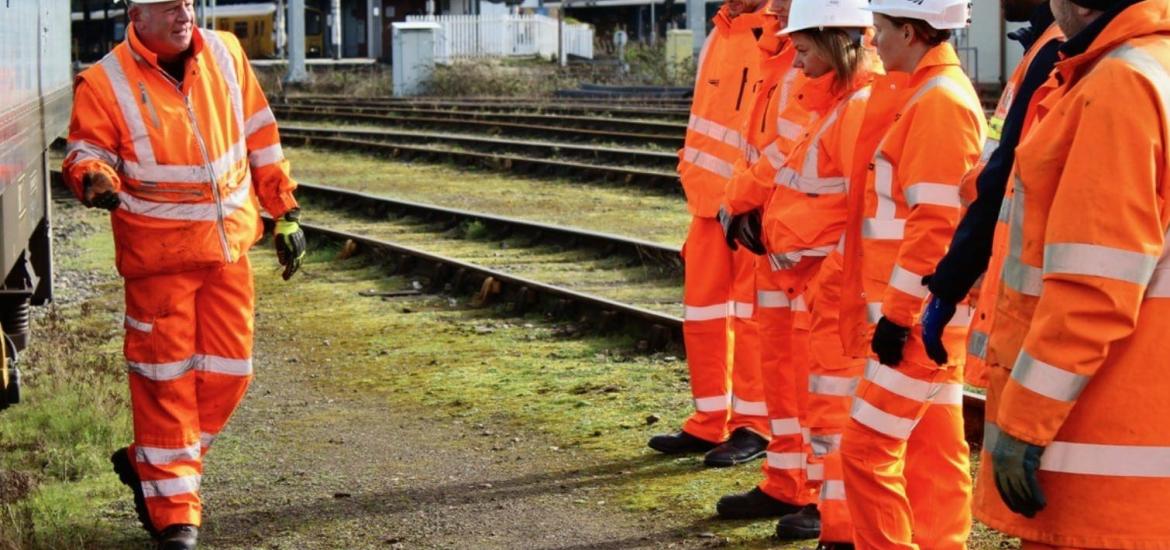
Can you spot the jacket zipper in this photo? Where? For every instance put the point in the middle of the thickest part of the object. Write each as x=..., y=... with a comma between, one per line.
x=227, y=253
x=149, y=106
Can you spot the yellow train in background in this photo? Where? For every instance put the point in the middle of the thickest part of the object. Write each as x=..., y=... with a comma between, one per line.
x=253, y=23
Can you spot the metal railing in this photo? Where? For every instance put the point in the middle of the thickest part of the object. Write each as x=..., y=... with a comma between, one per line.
x=470, y=36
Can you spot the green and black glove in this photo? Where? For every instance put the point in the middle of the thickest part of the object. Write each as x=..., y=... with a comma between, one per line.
x=290, y=242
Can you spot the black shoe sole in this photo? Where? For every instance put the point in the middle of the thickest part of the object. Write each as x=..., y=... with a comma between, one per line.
x=729, y=462
x=681, y=450
x=754, y=514
x=789, y=533
x=126, y=474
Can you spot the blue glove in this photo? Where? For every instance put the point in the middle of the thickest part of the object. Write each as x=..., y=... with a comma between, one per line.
x=889, y=340
x=935, y=317
x=1015, y=464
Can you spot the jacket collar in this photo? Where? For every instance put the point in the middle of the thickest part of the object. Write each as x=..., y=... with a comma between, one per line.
x=1132, y=19
x=942, y=55
x=144, y=54
x=744, y=22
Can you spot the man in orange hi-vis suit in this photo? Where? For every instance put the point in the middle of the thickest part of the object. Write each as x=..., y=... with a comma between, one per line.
x=1076, y=435
x=719, y=284
x=172, y=134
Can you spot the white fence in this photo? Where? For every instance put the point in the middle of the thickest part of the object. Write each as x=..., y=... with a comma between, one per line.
x=462, y=36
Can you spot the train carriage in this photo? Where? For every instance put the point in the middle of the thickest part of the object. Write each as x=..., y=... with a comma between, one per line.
x=37, y=92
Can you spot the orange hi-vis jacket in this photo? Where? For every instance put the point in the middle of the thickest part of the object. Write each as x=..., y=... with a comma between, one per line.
x=776, y=123
x=805, y=214
x=1085, y=297
x=909, y=213
x=983, y=298
x=729, y=73
x=191, y=162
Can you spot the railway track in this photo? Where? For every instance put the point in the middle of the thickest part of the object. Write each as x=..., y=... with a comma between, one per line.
x=561, y=128
x=641, y=168
x=676, y=112
x=653, y=330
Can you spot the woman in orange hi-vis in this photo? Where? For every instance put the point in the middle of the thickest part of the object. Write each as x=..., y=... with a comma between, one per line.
x=904, y=457
x=172, y=133
x=719, y=285
x=802, y=222
x=1077, y=454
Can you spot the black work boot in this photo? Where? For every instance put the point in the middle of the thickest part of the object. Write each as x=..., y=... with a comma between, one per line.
x=678, y=443
x=753, y=504
x=744, y=445
x=178, y=537
x=803, y=525
x=124, y=467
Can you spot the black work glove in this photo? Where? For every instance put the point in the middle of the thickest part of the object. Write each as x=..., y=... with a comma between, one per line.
x=889, y=340
x=98, y=191
x=290, y=242
x=1015, y=464
x=748, y=232
x=729, y=224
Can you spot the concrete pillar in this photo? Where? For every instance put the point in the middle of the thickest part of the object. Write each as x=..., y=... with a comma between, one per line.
x=296, y=43
x=697, y=22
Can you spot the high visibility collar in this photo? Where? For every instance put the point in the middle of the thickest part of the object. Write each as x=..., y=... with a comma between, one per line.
x=144, y=54
x=817, y=94
x=771, y=43
x=942, y=55
x=1143, y=18
x=744, y=22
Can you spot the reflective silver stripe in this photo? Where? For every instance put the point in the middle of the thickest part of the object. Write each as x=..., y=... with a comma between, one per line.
x=882, y=421
x=935, y=194
x=1096, y=459
x=785, y=461
x=883, y=184
x=833, y=489
x=79, y=150
x=1005, y=210
x=135, y=324
x=798, y=304
x=206, y=439
x=966, y=95
x=787, y=129
x=1159, y=286
x=227, y=68
x=963, y=316
x=839, y=386
x=200, y=211
x=908, y=282
x=873, y=312
x=128, y=105
x=159, y=456
x=223, y=365
x=706, y=313
x=1098, y=261
x=266, y=156
x=774, y=156
x=182, y=173
x=815, y=472
x=713, y=129
x=743, y=310
x=780, y=261
x=749, y=408
x=897, y=383
x=161, y=372
x=989, y=148
x=785, y=426
x=708, y=162
x=883, y=230
x=1018, y=276
x=788, y=177
x=1047, y=380
x=712, y=404
x=171, y=487
x=1149, y=67
x=977, y=344
x=773, y=299
x=259, y=121
x=825, y=444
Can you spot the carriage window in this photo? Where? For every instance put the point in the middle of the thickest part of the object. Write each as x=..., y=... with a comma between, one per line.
x=241, y=29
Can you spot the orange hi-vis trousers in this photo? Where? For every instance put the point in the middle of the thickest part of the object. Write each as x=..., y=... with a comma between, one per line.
x=904, y=456
x=719, y=299
x=833, y=377
x=784, y=367
x=188, y=345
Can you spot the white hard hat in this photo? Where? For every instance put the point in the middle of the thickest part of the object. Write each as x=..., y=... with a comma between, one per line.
x=940, y=14
x=819, y=14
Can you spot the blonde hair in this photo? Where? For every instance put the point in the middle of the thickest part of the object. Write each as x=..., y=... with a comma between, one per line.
x=843, y=50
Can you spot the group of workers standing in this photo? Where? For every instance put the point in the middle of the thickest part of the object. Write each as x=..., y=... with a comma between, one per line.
x=861, y=247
